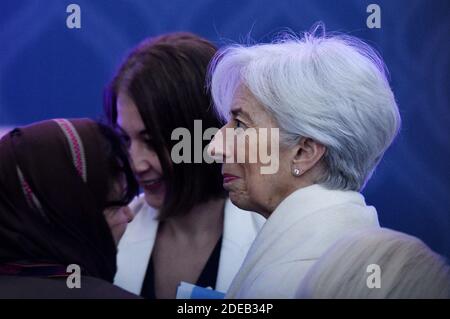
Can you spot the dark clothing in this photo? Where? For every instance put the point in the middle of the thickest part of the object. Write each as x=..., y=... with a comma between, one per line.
x=14, y=287
x=207, y=277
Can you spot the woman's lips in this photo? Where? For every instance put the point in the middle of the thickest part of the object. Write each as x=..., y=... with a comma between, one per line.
x=227, y=178
x=153, y=185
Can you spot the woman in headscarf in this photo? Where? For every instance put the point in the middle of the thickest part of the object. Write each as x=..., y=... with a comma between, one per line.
x=64, y=185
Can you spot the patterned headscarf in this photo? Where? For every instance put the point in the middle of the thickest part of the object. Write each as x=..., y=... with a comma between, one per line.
x=54, y=184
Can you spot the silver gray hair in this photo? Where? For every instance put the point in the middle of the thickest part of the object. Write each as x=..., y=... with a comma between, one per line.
x=331, y=88
x=408, y=269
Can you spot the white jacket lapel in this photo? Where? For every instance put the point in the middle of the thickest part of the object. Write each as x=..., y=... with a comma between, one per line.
x=135, y=247
x=240, y=229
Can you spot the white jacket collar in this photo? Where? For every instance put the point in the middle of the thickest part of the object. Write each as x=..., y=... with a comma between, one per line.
x=305, y=201
x=239, y=231
x=302, y=226
x=302, y=204
x=135, y=247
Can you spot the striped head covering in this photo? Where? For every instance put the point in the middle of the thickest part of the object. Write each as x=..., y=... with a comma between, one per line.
x=54, y=183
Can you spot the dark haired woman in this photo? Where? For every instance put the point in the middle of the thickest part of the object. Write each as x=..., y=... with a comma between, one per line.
x=185, y=228
x=64, y=187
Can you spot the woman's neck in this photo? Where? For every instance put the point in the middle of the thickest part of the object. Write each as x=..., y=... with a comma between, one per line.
x=205, y=219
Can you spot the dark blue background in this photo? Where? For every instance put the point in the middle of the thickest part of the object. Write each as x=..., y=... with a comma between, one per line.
x=48, y=70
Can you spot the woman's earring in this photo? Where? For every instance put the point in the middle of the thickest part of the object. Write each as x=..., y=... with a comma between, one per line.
x=296, y=172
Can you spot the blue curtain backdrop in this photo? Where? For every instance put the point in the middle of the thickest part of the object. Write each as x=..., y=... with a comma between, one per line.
x=48, y=70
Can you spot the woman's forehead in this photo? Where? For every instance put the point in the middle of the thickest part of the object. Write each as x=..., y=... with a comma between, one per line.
x=246, y=105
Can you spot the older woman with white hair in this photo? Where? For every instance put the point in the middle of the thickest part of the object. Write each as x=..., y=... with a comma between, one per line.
x=330, y=101
x=378, y=264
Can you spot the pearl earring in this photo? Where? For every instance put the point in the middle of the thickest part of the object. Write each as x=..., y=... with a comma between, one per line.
x=296, y=172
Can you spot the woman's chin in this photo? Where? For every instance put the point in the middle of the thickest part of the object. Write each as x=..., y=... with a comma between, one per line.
x=239, y=200
x=154, y=200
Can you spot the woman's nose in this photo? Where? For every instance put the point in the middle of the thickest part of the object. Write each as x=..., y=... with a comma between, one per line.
x=139, y=160
x=217, y=147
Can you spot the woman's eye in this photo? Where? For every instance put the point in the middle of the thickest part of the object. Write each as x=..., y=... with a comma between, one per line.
x=239, y=124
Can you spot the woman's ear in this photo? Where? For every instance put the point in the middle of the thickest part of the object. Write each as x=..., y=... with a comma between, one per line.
x=308, y=153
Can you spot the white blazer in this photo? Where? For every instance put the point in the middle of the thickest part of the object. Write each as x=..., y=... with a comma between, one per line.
x=298, y=232
x=134, y=250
